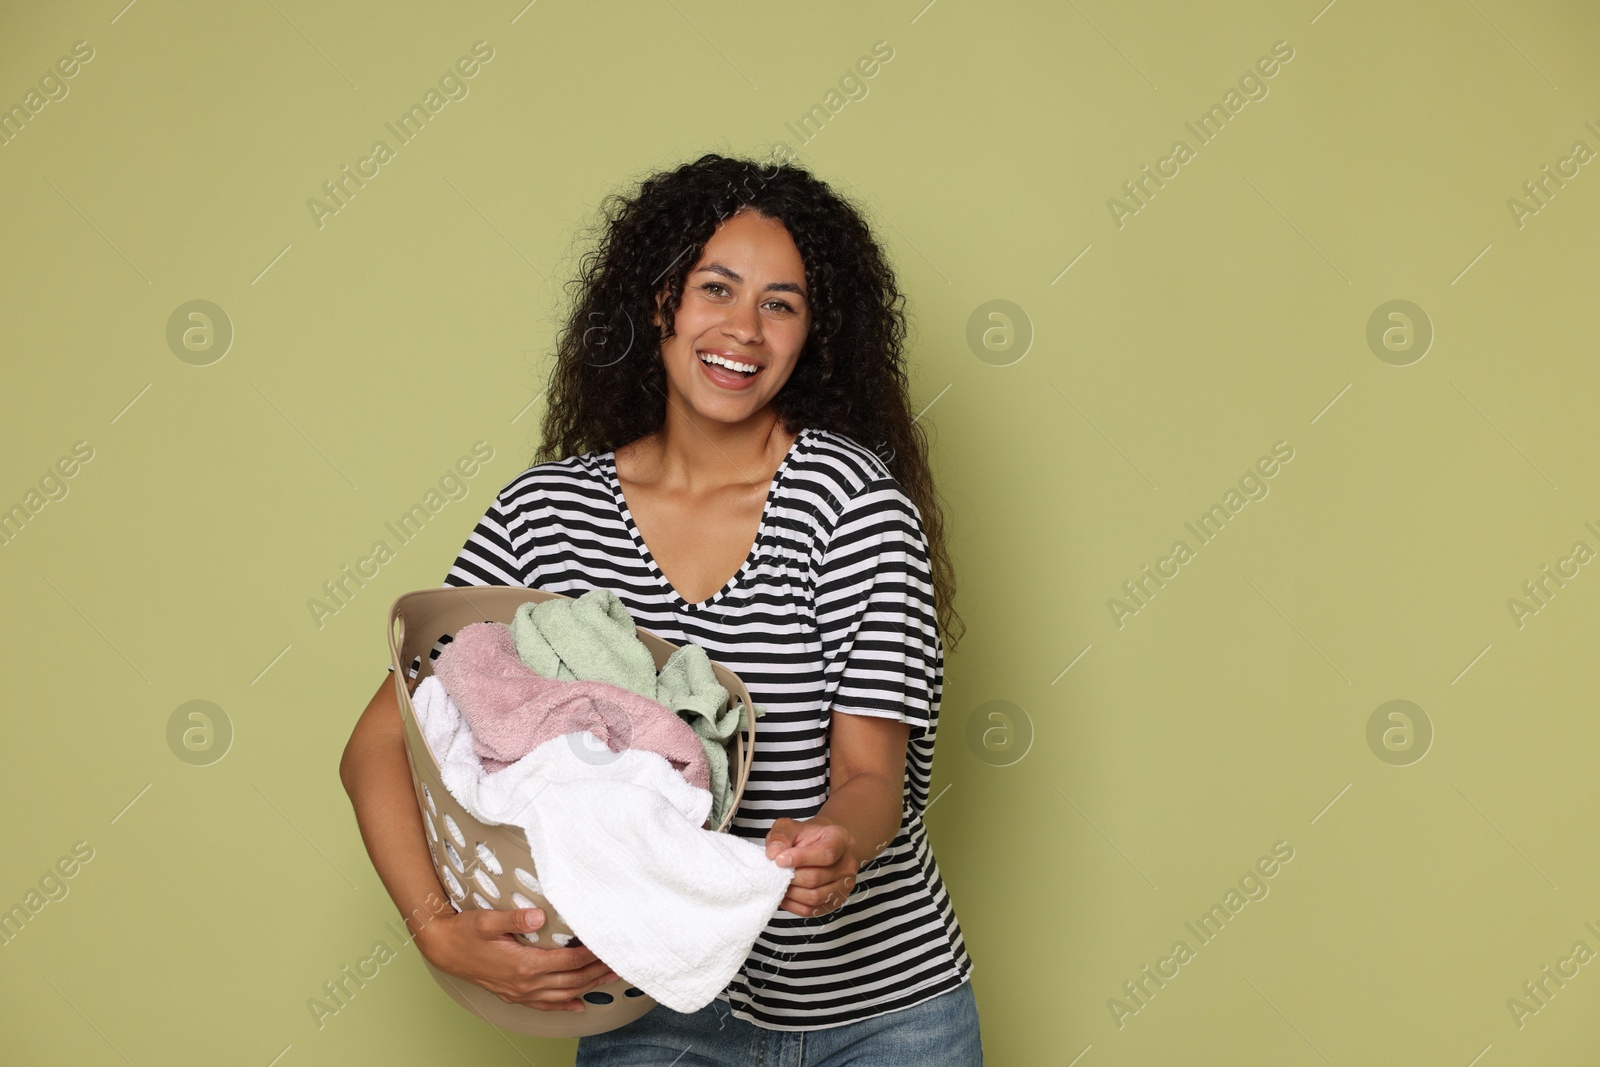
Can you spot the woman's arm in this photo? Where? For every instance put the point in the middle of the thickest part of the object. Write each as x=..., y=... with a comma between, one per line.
x=378, y=779
x=866, y=773
x=477, y=945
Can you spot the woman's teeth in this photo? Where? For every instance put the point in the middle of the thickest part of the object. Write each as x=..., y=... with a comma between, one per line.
x=743, y=368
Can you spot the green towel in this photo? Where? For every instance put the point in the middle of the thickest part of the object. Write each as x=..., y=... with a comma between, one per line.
x=592, y=638
x=688, y=686
x=587, y=639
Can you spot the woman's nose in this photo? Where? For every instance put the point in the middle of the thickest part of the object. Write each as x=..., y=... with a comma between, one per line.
x=744, y=322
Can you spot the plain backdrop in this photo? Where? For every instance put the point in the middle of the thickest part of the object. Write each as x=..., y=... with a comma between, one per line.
x=1099, y=368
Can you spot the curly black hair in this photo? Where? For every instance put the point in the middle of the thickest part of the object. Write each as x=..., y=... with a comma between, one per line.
x=608, y=387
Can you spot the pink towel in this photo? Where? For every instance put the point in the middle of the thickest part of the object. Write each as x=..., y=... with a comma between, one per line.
x=511, y=710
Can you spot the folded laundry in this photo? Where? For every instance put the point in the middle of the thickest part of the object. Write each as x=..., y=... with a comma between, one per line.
x=671, y=908
x=592, y=637
x=511, y=710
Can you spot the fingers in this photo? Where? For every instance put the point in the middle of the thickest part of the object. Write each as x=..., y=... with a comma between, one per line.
x=582, y=978
x=780, y=836
x=825, y=870
x=533, y=960
x=561, y=979
x=812, y=846
x=563, y=990
x=526, y=920
x=819, y=855
x=821, y=877
x=806, y=911
x=519, y=921
x=820, y=900
x=482, y=949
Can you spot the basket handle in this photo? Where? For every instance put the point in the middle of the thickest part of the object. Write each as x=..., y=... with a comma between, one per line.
x=396, y=640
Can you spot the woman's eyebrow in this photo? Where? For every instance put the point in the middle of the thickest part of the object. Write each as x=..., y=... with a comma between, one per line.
x=782, y=287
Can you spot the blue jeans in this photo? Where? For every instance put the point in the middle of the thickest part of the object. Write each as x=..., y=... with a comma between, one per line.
x=941, y=1032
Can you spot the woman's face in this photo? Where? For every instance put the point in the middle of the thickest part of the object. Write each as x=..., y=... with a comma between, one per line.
x=743, y=302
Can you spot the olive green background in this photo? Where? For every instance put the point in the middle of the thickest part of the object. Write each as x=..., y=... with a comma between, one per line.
x=1137, y=769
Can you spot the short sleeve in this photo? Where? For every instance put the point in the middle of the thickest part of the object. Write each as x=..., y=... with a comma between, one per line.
x=492, y=554
x=875, y=610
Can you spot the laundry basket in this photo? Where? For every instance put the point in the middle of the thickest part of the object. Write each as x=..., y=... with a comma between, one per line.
x=488, y=865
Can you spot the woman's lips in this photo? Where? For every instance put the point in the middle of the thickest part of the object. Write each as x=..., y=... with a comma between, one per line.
x=724, y=377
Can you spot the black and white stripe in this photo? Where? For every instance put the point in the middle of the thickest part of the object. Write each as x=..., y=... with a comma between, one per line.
x=833, y=609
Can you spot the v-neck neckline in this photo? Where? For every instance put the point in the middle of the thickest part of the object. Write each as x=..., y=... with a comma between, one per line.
x=609, y=463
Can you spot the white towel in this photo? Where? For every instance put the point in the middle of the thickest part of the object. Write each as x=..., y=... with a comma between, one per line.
x=617, y=839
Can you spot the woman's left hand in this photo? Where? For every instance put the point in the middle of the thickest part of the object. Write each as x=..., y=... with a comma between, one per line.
x=824, y=864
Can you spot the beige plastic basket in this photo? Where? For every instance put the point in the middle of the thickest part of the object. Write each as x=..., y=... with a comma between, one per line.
x=483, y=864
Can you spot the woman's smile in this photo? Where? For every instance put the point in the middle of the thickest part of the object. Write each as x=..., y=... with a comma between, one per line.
x=729, y=371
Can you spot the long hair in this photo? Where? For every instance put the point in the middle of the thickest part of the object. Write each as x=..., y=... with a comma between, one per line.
x=608, y=387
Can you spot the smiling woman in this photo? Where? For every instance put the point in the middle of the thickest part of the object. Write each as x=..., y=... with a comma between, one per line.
x=744, y=315
x=724, y=475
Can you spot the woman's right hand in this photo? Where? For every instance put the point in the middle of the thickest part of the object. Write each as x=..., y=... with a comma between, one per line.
x=481, y=947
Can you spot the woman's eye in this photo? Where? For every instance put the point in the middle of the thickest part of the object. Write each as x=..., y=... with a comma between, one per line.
x=718, y=289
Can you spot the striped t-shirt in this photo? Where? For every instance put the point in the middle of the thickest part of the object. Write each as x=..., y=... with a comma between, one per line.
x=832, y=609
